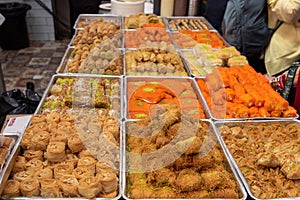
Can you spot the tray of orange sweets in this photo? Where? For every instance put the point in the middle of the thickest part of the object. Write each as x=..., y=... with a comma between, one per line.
x=242, y=93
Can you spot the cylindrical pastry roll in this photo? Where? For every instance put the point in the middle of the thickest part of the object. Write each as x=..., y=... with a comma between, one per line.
x=66, y=118
x=81, y=172
x=87, y=162
x=39, y=141
x=69, y=185
x=12, y=188
x=85, y=153
x=72, y=158
x=19, y=164
x=37, y=118
x=51, y=127
x=53, y=116
x=55, y=151
x=109, y=195
x=26, y=139
x=30, y=154
x=75, y=143
x=109, y=181
x=21, y=176
x=34, y=165
x=42, y=126
x=89, y=187
x=63, y=168
x=58, y=136
x=50, y=188
x=45, y=173
x=105, y=165
x=30, y=187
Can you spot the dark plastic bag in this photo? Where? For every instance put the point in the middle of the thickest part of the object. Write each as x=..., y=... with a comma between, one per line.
x=16, y=102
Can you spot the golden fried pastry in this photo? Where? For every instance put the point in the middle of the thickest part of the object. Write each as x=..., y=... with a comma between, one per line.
x=62, y=168
x=109, y=181
x=69, y=185
x=188, y=180
x=7, y=142
x=72, y=158
x=30, y=187
x=39, y=141
x=104, y=164
x=12, y=188
x=31, y=154
x=85, y=153
x=23, y=175
x=19, y=164
x=55, y=151
x=50, y=188
x=53, y=116
x=108, y=195
x=89, y=186
x=37, y=118
x=58, y=136
x=34, y=165
x=67, y=118
x=45, y=173
x=75, y=143
x=88, y=162
x=81, y=172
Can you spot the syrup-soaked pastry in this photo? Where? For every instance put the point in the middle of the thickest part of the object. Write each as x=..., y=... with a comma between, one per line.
x=3, y=155
x=58, y=136
x=53, y=116
x=108, y=195
x=50, y=189
x=34, y=165
x=45, y=173
x=81, y=172
x=19, y=164
x=88, y=162
x=72, y=158
x=23, y=175
x=39, y=141
x=89, y=186
x=55, y=151
x=62, y=168
x=85, y=153
x=67, y=118
x=104, y=164
x=26, y=139
x=31, y=154
x=75, y=143
x=37, y=118
x=7, y=142
x=109, y=181
x=11, y=188
x=30, y=187
x=42, y=126
x=52, y=127
x=69, y=185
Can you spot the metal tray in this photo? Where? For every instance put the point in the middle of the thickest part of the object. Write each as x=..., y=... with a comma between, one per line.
x=214, y=118
x=17, y=152
x=173, y=35
x=212, y=134
x=241, y=124
x=68, y=57
x=55, y=77
x=202, y=20
x=10, y=160
x=86, y=19
x=125, y=17
x=172, y=74
x=154, y=79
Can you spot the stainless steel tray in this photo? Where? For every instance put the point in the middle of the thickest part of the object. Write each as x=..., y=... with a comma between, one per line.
x=188, y=82
x=214, y=118
x=185, y=72
x=206, y=26
x=85, y=19
x=241, y=124
x=10, y=160
x=118, y=114
x=68, y=57
x=17, y=151
x=211, y=134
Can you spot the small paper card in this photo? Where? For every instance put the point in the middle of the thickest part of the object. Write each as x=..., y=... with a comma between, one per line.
x=17, y=125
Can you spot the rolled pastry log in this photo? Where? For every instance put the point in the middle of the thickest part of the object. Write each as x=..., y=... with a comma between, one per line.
x=45, y=173
x=63, y=168
x=89, y=187
x=19, y=164
x=34, y=165
x=12, y=188
x=109, y=181
x=82, y=172
x=55, y=151
x=87, y=162
x=30, y=187
x=75, y=143
x=21, y=176
x=50, y=188
x=69, y=185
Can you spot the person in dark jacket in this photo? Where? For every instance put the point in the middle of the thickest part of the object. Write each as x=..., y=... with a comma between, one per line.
x=214, y=12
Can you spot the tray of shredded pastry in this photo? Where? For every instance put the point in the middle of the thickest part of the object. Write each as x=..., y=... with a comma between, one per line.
x=67, y=156
x=265, y=155
x=173, y=156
